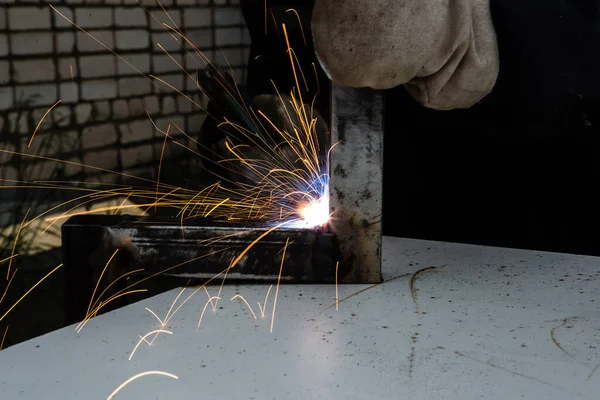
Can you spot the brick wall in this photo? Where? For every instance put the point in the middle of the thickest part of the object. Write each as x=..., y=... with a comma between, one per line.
x=101, y=119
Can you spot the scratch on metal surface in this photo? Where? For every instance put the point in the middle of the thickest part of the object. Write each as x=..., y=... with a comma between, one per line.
x=564, y=323
x=411, y=356
x=360, y=292
x=356, y=180
x=413, y=289
x=593, y=372
x=491, y=364
x=555, y=341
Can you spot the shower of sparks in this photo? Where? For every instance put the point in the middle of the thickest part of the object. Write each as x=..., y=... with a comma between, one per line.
x=287, y=178
x=127, y=290
x=282, y=180
x=168, y=317
x=100, y=280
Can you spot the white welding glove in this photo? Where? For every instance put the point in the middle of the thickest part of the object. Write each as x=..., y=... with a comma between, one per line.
x=443, y=51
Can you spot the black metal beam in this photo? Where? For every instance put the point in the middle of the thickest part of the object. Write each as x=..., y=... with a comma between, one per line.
x=197, y=251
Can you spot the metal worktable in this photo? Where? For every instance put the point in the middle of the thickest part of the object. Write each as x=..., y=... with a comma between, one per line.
x=474, y=323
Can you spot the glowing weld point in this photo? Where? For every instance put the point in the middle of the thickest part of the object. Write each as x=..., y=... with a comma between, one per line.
x=315, y=214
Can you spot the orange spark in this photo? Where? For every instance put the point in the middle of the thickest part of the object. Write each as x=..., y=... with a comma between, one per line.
x=265, y=17
x=73, y=81
x=239, y=296
x=157, y=331
x=204, y=309
x=40, y=123
x=263, y=309
x=278, y=281
x=4, y=337
x=299, y=23
x=167, y=318
x=122, y=385
x=12, y=254
x=95, y=311
x=115, y=281
x=8, y=285
x=214, y=306
x=155, y=316
x=100, y=279
x=29, y=291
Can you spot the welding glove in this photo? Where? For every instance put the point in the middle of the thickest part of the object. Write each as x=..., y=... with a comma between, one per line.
x=444, y=52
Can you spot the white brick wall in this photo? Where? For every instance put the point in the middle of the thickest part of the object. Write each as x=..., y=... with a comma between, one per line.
x=196, y=17
x=140, y=61
x=172, y=18
x=135, y=86
x=67, y=68
x=167, y=40
x=133, y=39
x=59, y=21
x=98, y=136
x=27, y=18
x=34, y=70
x=4, y=71
x=104, y=102
x=3, y=44
x=65, y=42
x=96, y=66
x=95, y=17
x=30, y=43
x=98, y=89
x=89, y=42
x=68, y=93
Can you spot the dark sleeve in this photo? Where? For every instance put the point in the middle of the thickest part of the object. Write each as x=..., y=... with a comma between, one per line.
x=269, y=65
x=269, y=61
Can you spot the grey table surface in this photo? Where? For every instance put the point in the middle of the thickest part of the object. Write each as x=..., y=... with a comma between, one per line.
x=451, y=321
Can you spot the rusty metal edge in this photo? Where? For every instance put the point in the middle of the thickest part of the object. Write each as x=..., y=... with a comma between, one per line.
x=356, y=180
x=156, y=244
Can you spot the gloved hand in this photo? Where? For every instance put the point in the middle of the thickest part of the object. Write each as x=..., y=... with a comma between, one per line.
x=444, y=52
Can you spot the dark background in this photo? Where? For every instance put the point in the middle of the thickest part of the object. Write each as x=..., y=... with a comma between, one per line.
x=520, y=169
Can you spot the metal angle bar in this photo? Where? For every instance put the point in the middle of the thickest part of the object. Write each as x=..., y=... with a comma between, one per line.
x=356, y=180
x=197, y=251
